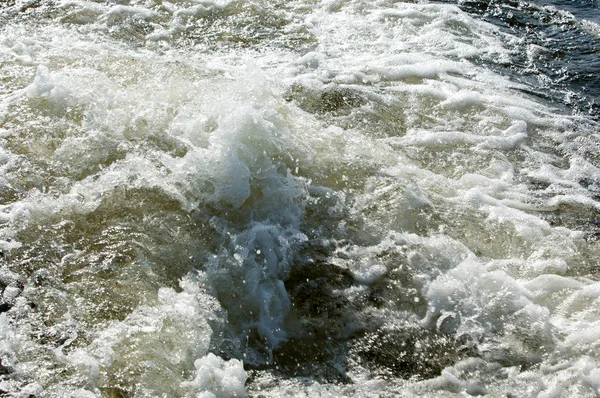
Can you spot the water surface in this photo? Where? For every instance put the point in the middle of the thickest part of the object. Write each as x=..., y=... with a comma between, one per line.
x=218, y=198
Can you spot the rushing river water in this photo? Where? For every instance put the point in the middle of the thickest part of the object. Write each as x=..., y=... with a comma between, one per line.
x=229, y=198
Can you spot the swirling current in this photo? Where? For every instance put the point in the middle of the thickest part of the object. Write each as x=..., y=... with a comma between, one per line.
x=337, y=198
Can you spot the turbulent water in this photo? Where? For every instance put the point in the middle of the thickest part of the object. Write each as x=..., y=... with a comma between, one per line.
x=229, y=198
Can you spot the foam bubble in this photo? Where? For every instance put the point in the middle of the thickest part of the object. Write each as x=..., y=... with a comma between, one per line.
x=217, y=378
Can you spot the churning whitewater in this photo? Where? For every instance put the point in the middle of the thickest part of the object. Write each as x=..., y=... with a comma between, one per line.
x=231, y=198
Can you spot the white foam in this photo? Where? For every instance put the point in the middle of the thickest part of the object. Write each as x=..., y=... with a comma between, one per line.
x=8, y=342
x=217, y=378
x=449, y=139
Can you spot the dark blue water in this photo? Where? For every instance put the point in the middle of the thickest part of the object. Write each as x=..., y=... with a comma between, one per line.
x=566, y=37
x=581, y=9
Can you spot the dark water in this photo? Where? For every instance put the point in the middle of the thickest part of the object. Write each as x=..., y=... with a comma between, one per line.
x=558, y=55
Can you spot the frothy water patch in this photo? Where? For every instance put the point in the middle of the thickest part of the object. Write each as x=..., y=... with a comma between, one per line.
x=231, y=198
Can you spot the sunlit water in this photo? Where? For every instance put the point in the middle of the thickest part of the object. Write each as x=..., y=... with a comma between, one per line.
x=214, y=198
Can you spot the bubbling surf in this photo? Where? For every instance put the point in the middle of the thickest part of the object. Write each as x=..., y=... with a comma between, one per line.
x=339, y=198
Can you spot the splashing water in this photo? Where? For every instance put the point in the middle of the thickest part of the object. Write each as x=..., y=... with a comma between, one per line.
x=341, y=198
